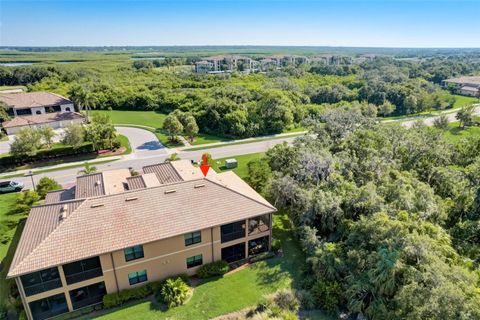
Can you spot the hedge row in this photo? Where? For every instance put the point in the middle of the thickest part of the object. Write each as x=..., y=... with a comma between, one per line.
x=46, y=154
x=216, y=268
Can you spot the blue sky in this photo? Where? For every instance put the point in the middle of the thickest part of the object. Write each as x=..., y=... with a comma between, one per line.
x=388, y=23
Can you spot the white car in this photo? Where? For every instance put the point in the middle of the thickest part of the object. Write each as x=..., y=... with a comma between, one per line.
x=11, y=186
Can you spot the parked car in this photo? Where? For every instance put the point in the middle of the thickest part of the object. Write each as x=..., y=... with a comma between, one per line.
x=10, y=186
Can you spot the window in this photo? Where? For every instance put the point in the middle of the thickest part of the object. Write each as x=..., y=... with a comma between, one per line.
x=234, y=253
x=82, y=270
x=49, y=307
x=38, y=112
x=41, y=281
x=137, y=277
x=88, y=295
x=67, y=109
x=133, y=253
x=194, y=261
x=232, y=231
x=192, y=238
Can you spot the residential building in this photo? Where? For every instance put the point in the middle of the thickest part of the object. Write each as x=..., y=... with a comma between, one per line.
x=466, y=85
x=219, y=64
x=112, y=231
x=36, y=109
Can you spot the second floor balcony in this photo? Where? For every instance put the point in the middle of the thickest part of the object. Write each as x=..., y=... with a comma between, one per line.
x=82, y=270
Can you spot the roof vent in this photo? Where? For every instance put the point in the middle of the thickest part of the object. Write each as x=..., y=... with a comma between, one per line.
x=131, y=198
x=170, y=191
x=98, y=182
x=199, y=186
x=97, y=205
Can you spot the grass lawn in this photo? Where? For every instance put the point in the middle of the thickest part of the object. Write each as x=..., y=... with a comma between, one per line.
x=455, y=133
x=144, y=118
x=8, y=245
x=233, y=292
x=125, y=143
x=241, y=170
x=206, y=138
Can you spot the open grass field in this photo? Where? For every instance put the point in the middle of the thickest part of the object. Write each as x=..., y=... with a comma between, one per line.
x=218, y=296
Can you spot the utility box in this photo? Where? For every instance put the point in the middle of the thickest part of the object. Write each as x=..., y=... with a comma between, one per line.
x=231, y=163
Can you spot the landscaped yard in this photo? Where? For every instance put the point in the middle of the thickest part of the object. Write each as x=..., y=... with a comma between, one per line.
x=455, y=133
x=243, y=160
x=232, y=292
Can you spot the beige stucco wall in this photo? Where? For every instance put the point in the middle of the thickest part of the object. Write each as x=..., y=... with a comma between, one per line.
x=162, y=259
x=54, y=125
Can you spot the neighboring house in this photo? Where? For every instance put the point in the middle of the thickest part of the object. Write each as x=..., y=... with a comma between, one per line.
x=36, y=109
x=113, y=231
x=467, y=86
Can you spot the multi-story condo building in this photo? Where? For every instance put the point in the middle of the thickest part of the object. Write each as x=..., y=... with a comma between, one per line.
x=37, y=109
x=225, y=64
x=113, y=231
x=467, y=86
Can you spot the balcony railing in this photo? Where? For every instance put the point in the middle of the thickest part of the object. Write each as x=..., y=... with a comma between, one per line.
x=258, y=228
x=42, y=287
x=85, y=275
x=87, y=301
x=233, y=236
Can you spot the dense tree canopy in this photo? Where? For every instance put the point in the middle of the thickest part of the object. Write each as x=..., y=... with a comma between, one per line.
x=389, y=217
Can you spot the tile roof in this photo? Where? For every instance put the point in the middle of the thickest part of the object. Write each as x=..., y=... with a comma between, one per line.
x=42, y=221
x=60, y=195
x=126, y=219
x=465, y=80
x=165, y=172
x=20, y=121
x=90, y=185
x=136, y=182
x=33, y=99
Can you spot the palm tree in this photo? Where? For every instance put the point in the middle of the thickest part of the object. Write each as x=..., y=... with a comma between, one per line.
x=88, y=169
x=83, y=98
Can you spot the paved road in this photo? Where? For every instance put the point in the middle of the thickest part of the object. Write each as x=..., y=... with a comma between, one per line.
x=429, y=121
x=143, y=142
x=67, y=177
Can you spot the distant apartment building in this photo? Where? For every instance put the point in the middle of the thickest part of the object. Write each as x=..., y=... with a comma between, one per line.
x=330, y=59
x=218, y=64
x=467, y=86
x=37, y=109
x=113, y=231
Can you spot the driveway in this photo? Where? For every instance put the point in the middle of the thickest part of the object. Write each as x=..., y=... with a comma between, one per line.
x=143, y=142
x=452, y=117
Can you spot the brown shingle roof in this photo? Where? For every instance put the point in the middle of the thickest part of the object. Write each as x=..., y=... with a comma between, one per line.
x=130, y=218
x=20, y=121
x=165, y=172
x=33, y=99
x=465, y=80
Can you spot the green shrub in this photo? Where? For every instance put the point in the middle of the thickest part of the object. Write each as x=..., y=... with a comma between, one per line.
x=216, y=268
x=262, y=256
x=111, y=300
x=327, y=294
x=174, y=292
x=45, y=185
x=306, y=299
x=286, y=300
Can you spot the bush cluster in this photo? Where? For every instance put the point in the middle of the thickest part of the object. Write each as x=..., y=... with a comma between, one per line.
x=283, y=304
x=216, y=268
x=157, y=288
x=45, y=154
